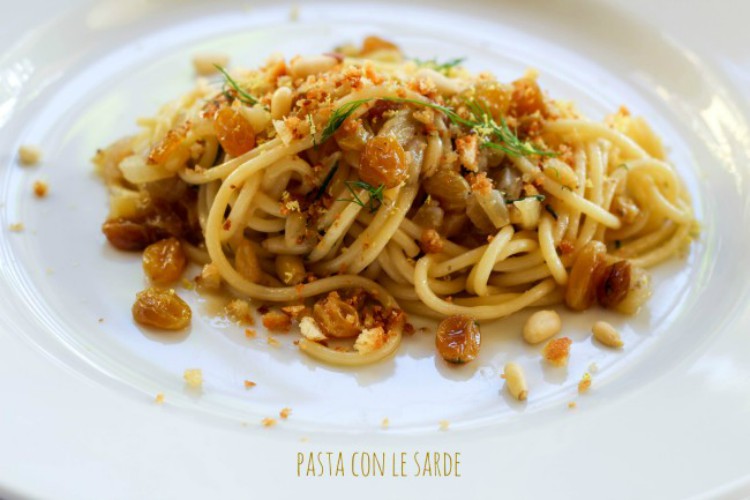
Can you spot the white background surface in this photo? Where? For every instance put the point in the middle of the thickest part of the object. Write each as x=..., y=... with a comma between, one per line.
x=666, y=419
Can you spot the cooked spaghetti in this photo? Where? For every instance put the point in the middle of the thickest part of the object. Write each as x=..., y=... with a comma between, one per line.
x=349, y=187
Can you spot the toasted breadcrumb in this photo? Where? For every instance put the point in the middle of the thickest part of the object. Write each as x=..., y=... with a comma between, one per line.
x=239, y=310
x=481, y=184
x=17, y=227
x=273, y=342
x=468, y=151
x=210, y=278
x=159, y=399
x=557, y=351
x=310, y=330
x=385, y=423
x=585, y=383
x=205, y=63
x=277, y=321
x=268, y=422
x=187, y=284
x=296, y=311
x=285, y=412
x=40, y=189
x=249, y=384
x=29, y=155
x=250, y=333
x=430, y=241
x=193, y=377
x=444, y=424
x=371, y=339
x=572, y=405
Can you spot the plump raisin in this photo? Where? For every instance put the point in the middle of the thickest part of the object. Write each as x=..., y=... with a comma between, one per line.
x=169, y=146
x=336, y=318
x=580, y=293
x=128, y=235
x=614, y=284
x=493, y=97
x=383, y=161
x=164, y=261
x=527, y=98
x=161, y=309
x=458, y=339
x=234, y=132
x=449, y=188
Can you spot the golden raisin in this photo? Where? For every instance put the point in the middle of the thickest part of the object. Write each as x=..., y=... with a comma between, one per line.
x=584, y=276
x=164, y=261
x=494, y=98
x=128, y=235
x=449, y=188
x=161, y=309
x=234, y=132
x=527, y=98
x=246, y=262
x=613, y=284
x=374, y=43
x=383, y=161
x=458, y=339
x=336, y=318
x=170, y=145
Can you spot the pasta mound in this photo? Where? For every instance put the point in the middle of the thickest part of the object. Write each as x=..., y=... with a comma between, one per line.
x=359, y=185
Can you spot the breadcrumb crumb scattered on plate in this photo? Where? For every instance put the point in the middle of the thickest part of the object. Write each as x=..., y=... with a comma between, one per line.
x=17, y=227
x=40, y=189
x=285, y=412
x=273, y=342
x=268, y=422
x=585, y=383
x=209, y=278
x=249, y=384
x=29, y=155
x=557, y=351
x=444, y=424
x=193, y=377
x=310, y=330
x=250, y=333
x=240, y=311
x=277, y=321
x=385, y=423
x=572, y=405
x=159, y=399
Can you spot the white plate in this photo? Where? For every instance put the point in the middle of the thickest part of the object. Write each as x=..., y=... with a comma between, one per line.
x=666, y=418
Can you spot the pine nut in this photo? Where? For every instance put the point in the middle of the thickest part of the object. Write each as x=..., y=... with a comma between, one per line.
x=29, y=155
x=303, y=67
x=606, y=334
x=541, y=325
x=515, y=381
x=205, y=64
x=281, y=103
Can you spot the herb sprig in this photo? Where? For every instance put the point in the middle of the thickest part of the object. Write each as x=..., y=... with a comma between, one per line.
x=443, y=68
x=241, y=94
x=338, y=118
x=326, y=181
x=376, y=195
x=500, y=136
x=493, y=135
x=538, y=197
